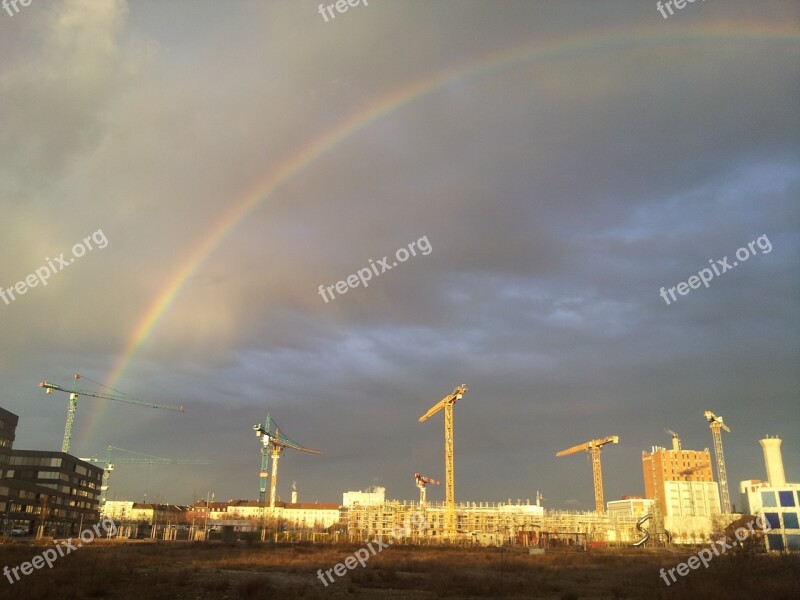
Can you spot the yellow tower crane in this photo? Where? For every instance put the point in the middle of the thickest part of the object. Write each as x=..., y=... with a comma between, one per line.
x=716, y=425
x=447, y=404
x=594, y=447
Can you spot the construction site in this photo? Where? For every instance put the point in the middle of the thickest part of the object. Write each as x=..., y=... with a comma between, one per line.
x=682, y=504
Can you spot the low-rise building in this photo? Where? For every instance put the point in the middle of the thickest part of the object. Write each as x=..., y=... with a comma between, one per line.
x=774, y=501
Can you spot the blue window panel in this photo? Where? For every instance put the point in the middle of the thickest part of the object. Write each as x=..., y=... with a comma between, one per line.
x=773, y=520
x=786, y=498
x=775, y=541
x=768, y=499
x=790, y=520
x=793, y=542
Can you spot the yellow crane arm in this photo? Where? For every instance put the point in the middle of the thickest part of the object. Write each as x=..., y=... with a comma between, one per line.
x=457, y=394
x=574, y=449
x=612, y=439
x=434, y=409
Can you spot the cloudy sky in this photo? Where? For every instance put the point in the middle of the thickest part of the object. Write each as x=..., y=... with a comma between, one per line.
x=565, y=160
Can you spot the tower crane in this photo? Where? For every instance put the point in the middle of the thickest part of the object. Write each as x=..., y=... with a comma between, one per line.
x=273, y=443
x=73, y=404
x=594, y=447
x=716, y=424
x=142, y=459
x=447, y=404
x=422, y=482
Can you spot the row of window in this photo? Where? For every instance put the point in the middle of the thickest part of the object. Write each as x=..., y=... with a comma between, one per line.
x=786, y=498
x=31, y=475
x=37, y=510
x=789, y=520
x=775, y=541
x=35, y=461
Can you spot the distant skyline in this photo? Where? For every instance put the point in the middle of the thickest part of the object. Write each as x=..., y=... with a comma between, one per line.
x=569, y=164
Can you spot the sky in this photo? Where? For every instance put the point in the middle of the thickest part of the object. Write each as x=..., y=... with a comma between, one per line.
x=556, y=164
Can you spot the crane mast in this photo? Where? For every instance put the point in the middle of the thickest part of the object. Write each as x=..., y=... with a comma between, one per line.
x=447, y=404
x=717, y=425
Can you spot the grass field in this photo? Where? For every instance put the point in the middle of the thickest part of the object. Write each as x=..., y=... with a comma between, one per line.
x=178, y=571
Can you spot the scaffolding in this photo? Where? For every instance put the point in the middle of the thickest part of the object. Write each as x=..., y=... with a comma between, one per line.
x=484, y=523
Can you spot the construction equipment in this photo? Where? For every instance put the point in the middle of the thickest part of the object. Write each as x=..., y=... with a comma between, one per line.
x=716, y=424
x=73, y=403
x=422, y=482
x=146, y=459
x=447, y=404
x=594, y=447
x=676, y=440
x=273, y=443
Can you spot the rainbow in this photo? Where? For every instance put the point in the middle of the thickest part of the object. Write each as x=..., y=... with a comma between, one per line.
x=396, y=99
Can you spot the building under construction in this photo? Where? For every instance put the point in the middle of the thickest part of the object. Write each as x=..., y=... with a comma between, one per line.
x=484, y=523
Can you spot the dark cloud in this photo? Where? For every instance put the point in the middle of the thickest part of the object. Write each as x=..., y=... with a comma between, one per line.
x=559, y=193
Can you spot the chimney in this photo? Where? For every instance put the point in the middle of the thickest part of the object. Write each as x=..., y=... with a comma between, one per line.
x=773, y=461
x=676, y=443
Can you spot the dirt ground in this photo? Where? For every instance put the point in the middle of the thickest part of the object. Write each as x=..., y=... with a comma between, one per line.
x=199, y=571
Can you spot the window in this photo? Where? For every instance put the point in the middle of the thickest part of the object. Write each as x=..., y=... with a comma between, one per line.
x=793, y=542
x=775, y=541
x=773, y=520
x=768, y=499
x=786, y=498
x=790, y=520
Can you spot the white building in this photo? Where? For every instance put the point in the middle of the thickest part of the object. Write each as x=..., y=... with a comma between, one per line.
x=691, y=499
x=774, y=500
x=629, y=507
x=372, y=497
x=117, y=510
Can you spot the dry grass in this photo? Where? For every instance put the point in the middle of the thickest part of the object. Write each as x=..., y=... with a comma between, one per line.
x=197, y=571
